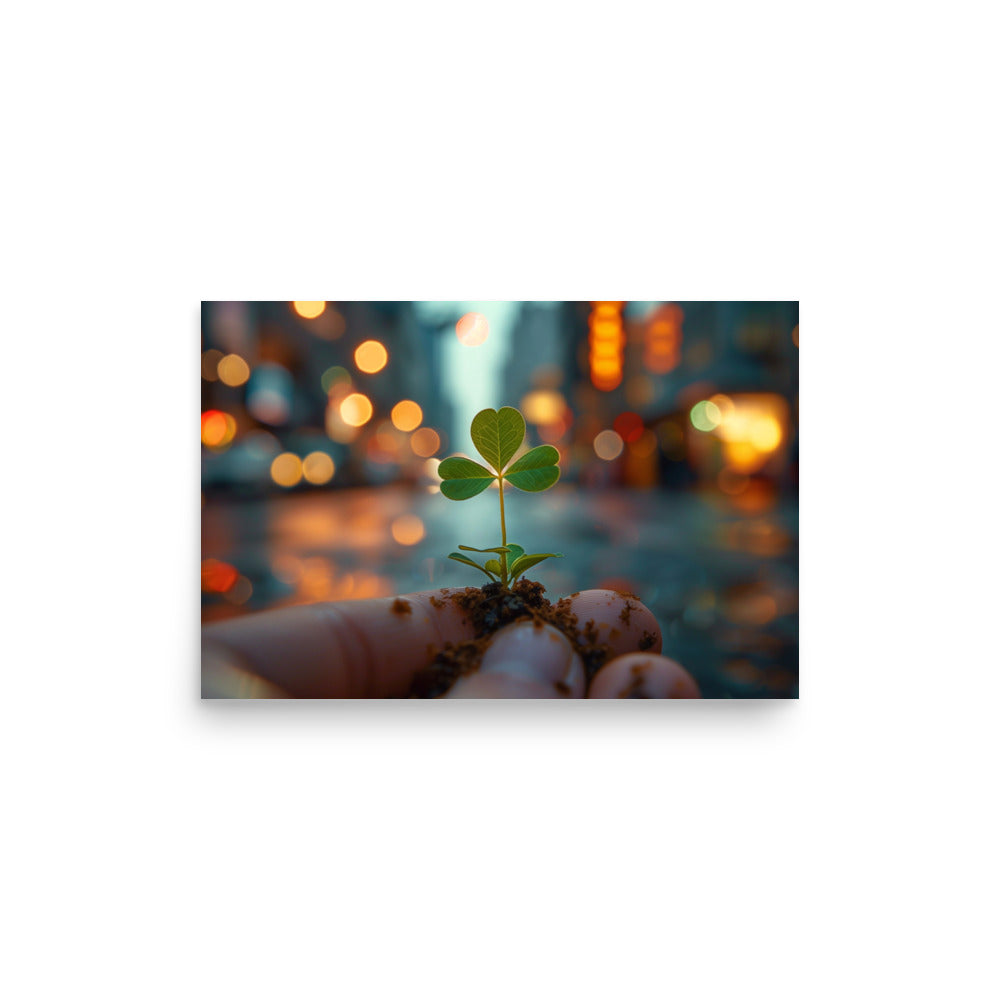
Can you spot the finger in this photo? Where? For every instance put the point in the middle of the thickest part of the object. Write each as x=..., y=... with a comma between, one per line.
x=347, y=649
x=643, y=675
x=621, y=621
x=525, y=660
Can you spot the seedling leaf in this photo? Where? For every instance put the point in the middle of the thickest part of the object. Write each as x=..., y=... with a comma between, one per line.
x=514, y=552
x=458, y=557
x=536, y=470
x=526, y=562
x=462, y=478
x=497, y=435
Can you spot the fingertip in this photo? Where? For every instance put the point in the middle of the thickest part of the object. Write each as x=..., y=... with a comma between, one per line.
x=622, y=621
x=643, y=675
x=525, y=660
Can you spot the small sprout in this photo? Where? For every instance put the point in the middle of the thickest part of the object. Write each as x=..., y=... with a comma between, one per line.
x=497, y=436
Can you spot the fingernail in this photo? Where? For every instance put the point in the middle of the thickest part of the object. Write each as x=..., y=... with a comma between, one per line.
x=534, y=651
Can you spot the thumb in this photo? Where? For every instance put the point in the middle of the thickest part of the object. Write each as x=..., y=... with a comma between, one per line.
x=525, y=660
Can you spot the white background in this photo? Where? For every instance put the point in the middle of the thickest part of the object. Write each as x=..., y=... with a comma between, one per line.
x=842, y=845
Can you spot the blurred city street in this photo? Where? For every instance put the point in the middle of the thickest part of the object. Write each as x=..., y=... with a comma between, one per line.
x=675, y=425
x=720, y=575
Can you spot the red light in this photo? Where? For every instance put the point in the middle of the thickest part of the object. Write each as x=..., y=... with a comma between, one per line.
x=629, y=426
x=217, y=576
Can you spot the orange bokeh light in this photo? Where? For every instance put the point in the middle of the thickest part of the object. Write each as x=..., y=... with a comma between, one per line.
x=371, y=357
x=318, y=468
x=309, y=310
x=356, y=409
x=607, y=343
x=233, y=370
x=425, y=442
x=217, y=429
x=408, y=529
x=406, y=415
x=286, y=469
x=472, y=329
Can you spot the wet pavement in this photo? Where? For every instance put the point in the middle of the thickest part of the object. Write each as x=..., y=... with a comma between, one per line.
x=720, y=573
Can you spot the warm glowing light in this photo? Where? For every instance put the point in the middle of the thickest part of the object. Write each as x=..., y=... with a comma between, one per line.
x=336, y=429
x=644, y=445
x=472, y=329
x=371, y=357
x=233, y=370
x=425, y=442
x=706, y=416
x=318, y=468
x=543, y=406
x=795, y=335
x=210, y=364
x=356, y=409
x=727, y=408
x=607, y=344
x=752, y=430
x=286, y=469
x=406, y=415
x=608, y=445
x=309, y=310
x=217, y=429
x=431, y=468
x=217, y=576
x=765, y=433
x=408, y=529
x=662, y=348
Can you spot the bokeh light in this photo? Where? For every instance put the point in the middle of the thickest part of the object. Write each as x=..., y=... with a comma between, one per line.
x=727, y=408
x=318, y=468
x=210, y=364
x=644, y=445
x=543, y=406
x=608, y=445
x=333, y=376
x=217, y=429
x=472, y=329
x=425, y=442
x=406, y=415
x=309, y=310
x=286, y=469
x=629, y=426
x=356, y=409
x=706, y=416
x=408, y=529
x=240, y=591
x=217, y=576
x=233, y=370
x=370, y=357
x=765, y=433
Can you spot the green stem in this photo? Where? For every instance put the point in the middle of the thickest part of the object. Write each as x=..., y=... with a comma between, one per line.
x=503, y=535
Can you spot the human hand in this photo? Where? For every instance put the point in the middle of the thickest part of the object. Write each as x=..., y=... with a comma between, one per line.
x=373, y=648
